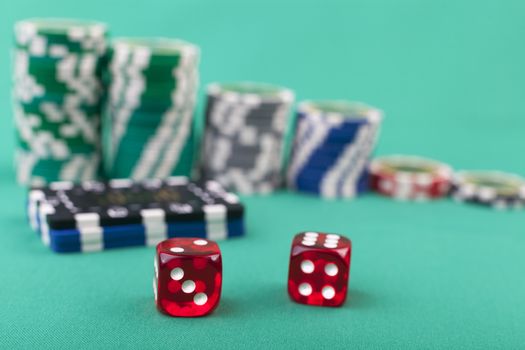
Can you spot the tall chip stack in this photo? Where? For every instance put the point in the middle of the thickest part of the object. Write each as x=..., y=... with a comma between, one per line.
x=244, y=136
x=57, y=96
x=151, y=100
x=332, y=147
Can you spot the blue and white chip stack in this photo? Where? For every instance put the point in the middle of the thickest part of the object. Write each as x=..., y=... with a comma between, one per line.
x=332, y=148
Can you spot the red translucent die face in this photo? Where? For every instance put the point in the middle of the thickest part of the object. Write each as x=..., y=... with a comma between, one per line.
x=319, y=269
x=188, y=276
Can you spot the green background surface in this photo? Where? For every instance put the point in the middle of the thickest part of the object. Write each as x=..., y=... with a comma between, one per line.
x=450, y=77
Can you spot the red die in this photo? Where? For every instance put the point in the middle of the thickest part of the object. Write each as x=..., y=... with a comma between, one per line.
x=188, y=277
x=319, y=268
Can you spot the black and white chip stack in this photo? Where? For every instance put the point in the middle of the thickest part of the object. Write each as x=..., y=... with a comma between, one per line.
x=244, y=135
x=57, y=97
x=495, y=189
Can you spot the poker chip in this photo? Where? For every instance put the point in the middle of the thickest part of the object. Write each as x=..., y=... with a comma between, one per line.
x=491, y=188
x=93, y=216
x=57, y=97
x=332, y=146
x=152, y=86
x=244, y=135
x=410, y=177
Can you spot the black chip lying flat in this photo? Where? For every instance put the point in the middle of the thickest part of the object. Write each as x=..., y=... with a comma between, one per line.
x=121, y=202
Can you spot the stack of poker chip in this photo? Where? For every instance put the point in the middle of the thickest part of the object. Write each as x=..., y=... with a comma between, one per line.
x=490, y=188
x=95, y=216
x=148, y=116
x=57, y=92
x=332, y=147
x=244, y=135
x=410, y=177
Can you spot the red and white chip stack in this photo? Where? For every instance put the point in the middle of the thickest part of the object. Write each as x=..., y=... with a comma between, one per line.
x=410, y=177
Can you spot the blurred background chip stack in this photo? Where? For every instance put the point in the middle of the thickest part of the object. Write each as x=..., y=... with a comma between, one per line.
x=491, y=188
x=152, y=86
x=406, y=177
x=244, y=135
x=57, y=96
x=332, y=147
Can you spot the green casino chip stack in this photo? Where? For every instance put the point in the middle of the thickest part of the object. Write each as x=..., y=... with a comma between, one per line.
x=149, y=112
x=57, y=97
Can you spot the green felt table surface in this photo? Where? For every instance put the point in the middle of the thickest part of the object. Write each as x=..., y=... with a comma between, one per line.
x=450, y=76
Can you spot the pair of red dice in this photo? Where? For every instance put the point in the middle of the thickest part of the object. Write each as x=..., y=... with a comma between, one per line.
x=188, y=273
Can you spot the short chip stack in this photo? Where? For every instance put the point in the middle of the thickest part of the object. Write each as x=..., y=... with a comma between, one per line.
x=244, y=135
x=490, y=188
x=148, y=119
x=410, y=177
x=94, y=216
x=57, y=93
x=332, y=147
